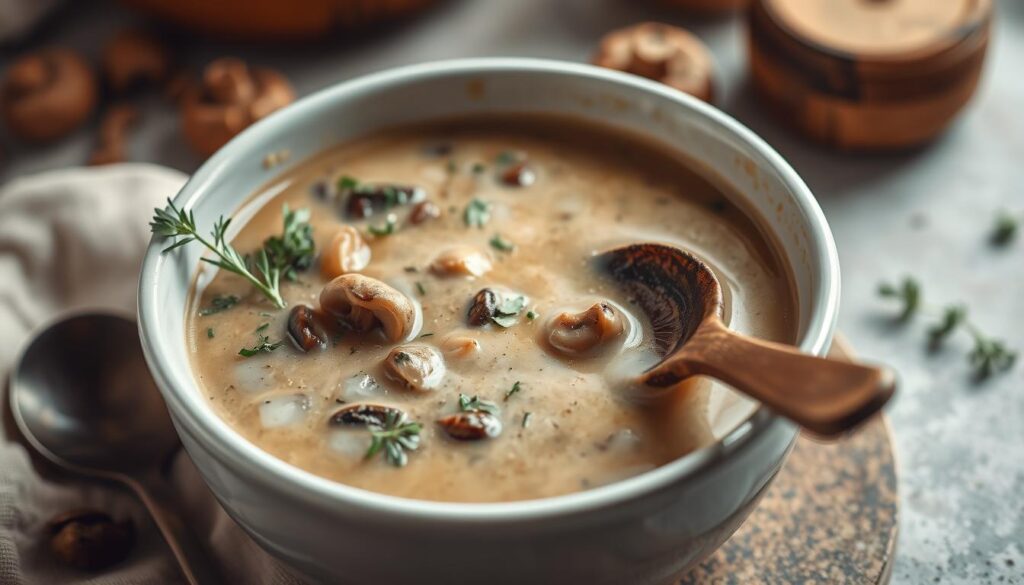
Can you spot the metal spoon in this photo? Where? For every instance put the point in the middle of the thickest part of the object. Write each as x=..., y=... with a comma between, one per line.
x=683, y=300
x=83, y=398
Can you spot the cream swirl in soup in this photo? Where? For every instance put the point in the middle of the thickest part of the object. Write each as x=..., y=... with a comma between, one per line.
x=447, y=336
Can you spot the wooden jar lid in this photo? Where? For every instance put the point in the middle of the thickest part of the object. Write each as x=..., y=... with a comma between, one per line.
x=868, y=74
x=663, y=53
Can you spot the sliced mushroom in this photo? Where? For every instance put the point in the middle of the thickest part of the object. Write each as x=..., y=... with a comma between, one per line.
x=460, y=346
x=482, y=308
x=230, y=98
x=520, y=174
x=417, y=367
x=424, y=211
x=576, y=334
x=306, y=329
x=47, y=95
x=347, y=252
x=363, y=415
x=461, y=261
x=363, y=303
x=473, y=425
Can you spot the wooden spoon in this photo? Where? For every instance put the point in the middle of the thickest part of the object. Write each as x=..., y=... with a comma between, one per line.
x=683, y=299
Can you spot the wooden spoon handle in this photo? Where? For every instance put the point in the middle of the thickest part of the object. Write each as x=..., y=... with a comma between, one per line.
x=823, y=395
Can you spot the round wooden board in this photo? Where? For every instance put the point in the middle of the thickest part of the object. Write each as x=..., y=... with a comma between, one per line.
x=829, y=517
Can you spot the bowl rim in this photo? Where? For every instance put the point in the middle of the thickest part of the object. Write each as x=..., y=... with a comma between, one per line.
x=195, y=417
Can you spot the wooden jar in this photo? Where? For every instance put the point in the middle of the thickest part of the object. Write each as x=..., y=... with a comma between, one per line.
x=868, y=74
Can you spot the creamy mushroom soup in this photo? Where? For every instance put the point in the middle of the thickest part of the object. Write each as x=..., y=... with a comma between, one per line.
x=444, y=333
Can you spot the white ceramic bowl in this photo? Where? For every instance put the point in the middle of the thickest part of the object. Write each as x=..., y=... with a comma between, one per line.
x=647, y=529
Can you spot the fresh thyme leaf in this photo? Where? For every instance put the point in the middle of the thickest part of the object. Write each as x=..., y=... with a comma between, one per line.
x=990, y=356
x=531, y=315
x=346, y=183
x=506, y=157
x=262, y=345
x=426, y=335
x=513, y=390
x=506, y=313
x=952, y=317
x=209, y=333
x=526, y=419
x=219, y=303
x=908, y=292
x=394, y=437
x=477, y=213
x=178, y=223
x=501, y=244
x=479, y=168
x=475, y=403
x=385, y=230
x=420, y=289
x=1005, y=229
x=294, y=249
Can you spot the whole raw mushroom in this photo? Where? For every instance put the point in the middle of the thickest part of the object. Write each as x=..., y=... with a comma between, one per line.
x=46, y=95
x=133, y=58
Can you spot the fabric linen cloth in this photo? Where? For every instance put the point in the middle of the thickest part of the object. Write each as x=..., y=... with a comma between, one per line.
x=74, y=239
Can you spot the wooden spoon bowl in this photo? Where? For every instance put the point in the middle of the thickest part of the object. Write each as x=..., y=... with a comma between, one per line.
x=683, y=300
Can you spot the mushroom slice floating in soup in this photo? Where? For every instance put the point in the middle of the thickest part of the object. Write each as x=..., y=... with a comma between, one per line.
x=473, y=425
x=417, y=367
x=578, y=334
x=347, y=252
x=460, y=346
x=305, y=329
x=364, y=414
x=461, y=261
x=363, y=303
x=365, y=199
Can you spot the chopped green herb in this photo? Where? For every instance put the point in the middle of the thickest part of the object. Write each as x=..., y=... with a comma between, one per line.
x=477, y=213
x=506, y=157
x=526, y=419
x=990, y=356
x=219, y=303
x=908, y=292
x=426, y=335
x=952, y=317
x=531, y=315
x=294, y=249
x=501, y=244
x=513, y=390
x=1005, y=229
x=177, y=223
x=262, y=345
x=420, y=289
x=385, y=230
x=505, y=314
x=346, y=183
x=265, y=314
x=479, y=168
x=393, y=438
x=209, y=333
x=452, y=166
x=467, y=404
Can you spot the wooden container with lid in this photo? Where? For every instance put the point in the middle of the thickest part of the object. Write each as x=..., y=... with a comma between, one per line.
x=868, y=74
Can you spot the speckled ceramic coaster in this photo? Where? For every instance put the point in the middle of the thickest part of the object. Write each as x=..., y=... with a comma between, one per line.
x=829, y=517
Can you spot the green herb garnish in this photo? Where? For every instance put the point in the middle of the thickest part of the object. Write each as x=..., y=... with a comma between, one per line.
x=501, y=244
x=506, y=157
x=477, y=213
x=505, y=314
x=219, y=303
x=346, y=183
x=1005, y=229
x=294, y=249
x=526, y=418
x=262, y=345
x=420, y=289
x=479, y=168
x=452, y=166
x=426, y=335
x=531, y=315
x=394, y=437
x=476, y=404
x=385, y=230
x=513, y=390
x=209, y=333
x=989, y=355
x=177, y=223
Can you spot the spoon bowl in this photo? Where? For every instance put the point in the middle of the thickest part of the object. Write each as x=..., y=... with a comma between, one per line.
x=82, y=397
x=682, y=298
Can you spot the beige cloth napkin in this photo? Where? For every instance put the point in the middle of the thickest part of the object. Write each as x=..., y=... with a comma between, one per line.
x=74, y=239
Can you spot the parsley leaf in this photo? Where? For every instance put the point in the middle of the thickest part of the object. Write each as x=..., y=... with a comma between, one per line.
x=219, y=303
x=477, y=213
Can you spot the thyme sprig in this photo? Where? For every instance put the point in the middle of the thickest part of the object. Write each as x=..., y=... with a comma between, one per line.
x=1005, y=228
x=177, y=223
x=393, y=438
x=294, y=249
x=476, y=404
x=262, y=345
x=988, y=356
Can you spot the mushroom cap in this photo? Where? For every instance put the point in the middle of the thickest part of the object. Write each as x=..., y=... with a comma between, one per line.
x=364, y=302
x=575, y=334
x=461, y=261
x=48, y=94
x=417, y=367
x=347, y=252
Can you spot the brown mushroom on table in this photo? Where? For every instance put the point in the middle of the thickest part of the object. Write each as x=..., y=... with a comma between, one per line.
x=90, y=539
x=113, y=135
x=48, y=94
x=578, y=334
x=664, y=53
x=364, y=303
x=230, y=97
x=417, y=367
x=133, y=58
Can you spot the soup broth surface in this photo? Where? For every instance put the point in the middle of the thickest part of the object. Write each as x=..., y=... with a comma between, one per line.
x=535, y=197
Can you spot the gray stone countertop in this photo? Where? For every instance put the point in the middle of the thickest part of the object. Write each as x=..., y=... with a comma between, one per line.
x=925, y=213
